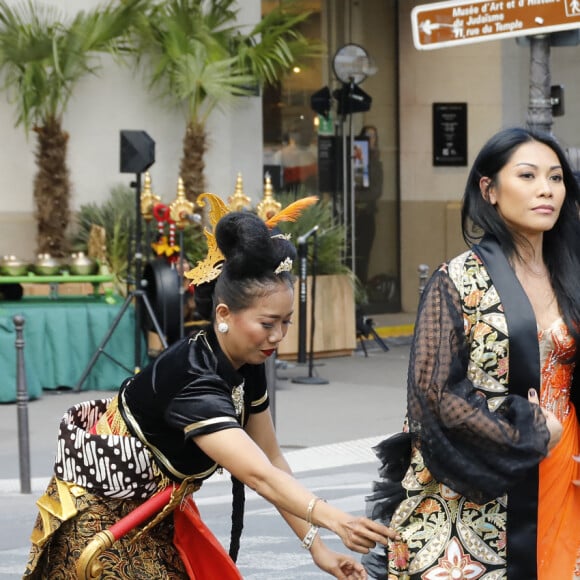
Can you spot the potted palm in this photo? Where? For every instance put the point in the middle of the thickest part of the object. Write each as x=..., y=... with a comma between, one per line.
x=196, y=55
x=43, y=56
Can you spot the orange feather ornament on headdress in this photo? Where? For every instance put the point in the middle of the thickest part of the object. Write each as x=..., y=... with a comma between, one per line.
x=292, y=212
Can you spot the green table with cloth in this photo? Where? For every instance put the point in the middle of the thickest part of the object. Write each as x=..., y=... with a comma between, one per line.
x=60, y=338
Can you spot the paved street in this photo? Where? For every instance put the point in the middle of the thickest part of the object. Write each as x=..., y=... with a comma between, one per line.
x=326, y=430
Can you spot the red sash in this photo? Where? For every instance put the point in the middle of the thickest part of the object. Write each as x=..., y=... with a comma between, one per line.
x=202, y=554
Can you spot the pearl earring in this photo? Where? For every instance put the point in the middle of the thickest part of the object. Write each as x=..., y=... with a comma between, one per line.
x=223, y=327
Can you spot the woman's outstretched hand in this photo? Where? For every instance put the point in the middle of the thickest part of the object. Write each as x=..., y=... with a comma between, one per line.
x=362, y=534
x=340, y=566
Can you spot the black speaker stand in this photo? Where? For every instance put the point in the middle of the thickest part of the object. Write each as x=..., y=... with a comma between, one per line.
x=137, y=295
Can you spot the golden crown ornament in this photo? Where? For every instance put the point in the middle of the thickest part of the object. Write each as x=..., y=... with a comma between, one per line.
x=211, y=266
x=239, y=201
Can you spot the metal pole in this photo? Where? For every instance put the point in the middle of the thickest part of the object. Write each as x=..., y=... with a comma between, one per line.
x=22, y=407
x=345, y=190
x=138, y=272
x=181, y=287
x=351, y=199
x=540, y=105
x=303, y=256
x=271, y=382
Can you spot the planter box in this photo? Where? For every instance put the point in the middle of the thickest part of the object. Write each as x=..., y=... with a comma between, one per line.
x=335, y=324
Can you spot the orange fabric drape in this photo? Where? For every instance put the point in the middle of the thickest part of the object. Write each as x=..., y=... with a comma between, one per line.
x=200, y=551
x=559, y=506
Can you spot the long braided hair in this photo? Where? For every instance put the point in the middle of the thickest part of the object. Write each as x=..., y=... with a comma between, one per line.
x=252, y=255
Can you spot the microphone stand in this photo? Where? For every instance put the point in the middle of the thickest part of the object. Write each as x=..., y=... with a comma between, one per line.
x=310, y=379
x=303, y=260
x=302, y=257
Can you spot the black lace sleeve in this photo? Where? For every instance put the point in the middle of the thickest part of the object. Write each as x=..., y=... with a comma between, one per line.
x=474, y=451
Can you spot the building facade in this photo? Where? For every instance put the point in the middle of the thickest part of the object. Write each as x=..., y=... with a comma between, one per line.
x=416, y=214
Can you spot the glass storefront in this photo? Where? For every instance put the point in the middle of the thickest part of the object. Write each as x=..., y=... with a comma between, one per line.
x=350, y=155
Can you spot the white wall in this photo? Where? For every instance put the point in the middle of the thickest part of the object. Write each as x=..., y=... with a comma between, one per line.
x=100, y=108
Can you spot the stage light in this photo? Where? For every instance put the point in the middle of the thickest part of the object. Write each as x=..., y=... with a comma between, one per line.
x=321, y=102
x=352, y=99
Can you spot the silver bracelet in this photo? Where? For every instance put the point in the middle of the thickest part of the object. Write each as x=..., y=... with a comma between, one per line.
x=311, y=505
x=309, y=537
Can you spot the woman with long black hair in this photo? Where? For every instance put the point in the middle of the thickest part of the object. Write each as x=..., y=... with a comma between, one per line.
x=482, y=483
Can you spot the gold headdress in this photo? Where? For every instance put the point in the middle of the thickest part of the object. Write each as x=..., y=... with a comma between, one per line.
x=211, y=266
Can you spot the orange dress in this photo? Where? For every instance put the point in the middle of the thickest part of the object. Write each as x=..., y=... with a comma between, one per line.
x=559, y=498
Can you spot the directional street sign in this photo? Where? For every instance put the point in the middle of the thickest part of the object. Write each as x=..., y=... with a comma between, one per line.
x=444, y=24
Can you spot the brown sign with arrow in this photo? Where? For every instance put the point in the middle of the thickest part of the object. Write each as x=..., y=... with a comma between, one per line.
x=444, y=24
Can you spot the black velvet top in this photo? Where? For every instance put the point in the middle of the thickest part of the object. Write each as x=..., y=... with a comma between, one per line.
x=190, y=389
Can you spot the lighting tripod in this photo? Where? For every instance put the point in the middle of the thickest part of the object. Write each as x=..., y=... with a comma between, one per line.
x=138, y=296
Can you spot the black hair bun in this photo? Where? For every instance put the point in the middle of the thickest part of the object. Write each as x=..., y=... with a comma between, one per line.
x=248, y=247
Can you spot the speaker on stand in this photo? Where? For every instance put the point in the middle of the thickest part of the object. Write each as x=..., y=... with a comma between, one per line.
x=137, y=154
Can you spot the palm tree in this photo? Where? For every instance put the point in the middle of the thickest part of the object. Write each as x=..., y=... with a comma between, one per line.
x=43, y=57
x=200, y=58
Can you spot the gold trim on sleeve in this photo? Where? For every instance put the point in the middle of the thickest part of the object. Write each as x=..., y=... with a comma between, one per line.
x=204, y=423
x=260, y=401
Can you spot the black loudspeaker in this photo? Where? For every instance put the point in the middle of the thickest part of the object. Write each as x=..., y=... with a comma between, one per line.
x=321, y=102
x=137, y=151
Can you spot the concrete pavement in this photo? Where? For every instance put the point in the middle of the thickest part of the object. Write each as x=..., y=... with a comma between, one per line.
x=321, y=427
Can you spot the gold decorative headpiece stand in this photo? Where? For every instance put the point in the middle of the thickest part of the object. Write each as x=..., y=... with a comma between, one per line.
x=239, y=201
x=148, y=198
x=180, y=208
x=268, y=207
